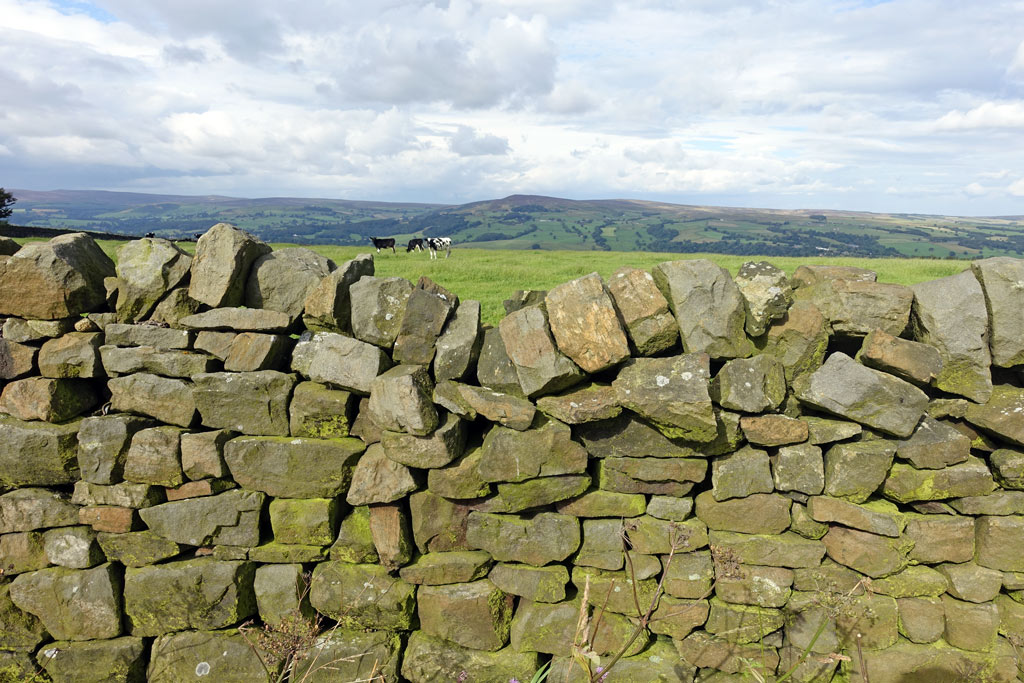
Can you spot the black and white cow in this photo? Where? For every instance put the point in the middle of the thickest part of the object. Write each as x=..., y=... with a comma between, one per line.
x=415, y=243
x=436, y=244
x=383, y=243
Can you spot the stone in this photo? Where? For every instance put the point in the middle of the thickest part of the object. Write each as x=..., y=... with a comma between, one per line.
x=539, y=365
x=551, y=628
x=37, y=453
x=870, y=554
x=229, y=518
x=119, y=660
x=224, y=255
x=252, y=351
x=355, y=542
x=857, y=469
x=950, y=314
x=123, y=494
x=253, y=403
x=657, y=476
x=56, y=279
x=760, y=513
x=352, y=655
x=24, y=331
x=905, y=483
x=758, y=586
x=341, y=361
x=73, y=604
x=1001, y=414
x=282, y=279
x=507, y=410
x=825, y=431
x=806, y=276
x=602, y=593
x=995, y=503
x=543, y=451
x=802, y=524
x=328, y=306
x=913, y=361
x=856, y=307
x=972, y=582
x=217, y=344
x=798, y=340
x=165, y=362
x=28, y=509
x=155, y=457
x=934, y=445
x=536, y=584
x=533, y=493
x=587, y=403
x=16, y=360
x=176, y=305
x=379, y=479
x=547, y=537
x=238, y=320
x=438, y=449
x=998, y=542
x=202, y=454
x=318, y=411
x=293, y=467
x=485, y=613
x=598, y=503
x=401, y=400
x=669, y=508
x=584, y=324
x=722, y=656
x=222, y=655
x=690, y=575
x=304, y=521
x=460, y=479
x=751, y=385
x=378, y=308
x=137, y=548
x=650, y=536
x=799, y=468
x=672, y=393
x=120, y=334
x=773, y=430
x=168, y=400
x=436, y=569
x=362, y=596
x=428, y=658
x=741, y=474
x=602, y=545
x=198, y=489
x=18, y=630
x=494, y=368
x=426, y=312
x=8, y=247
x=110, y=518
x=1011, y=615
x=628, y=437
x=22, y=551
x=643, y=310
x=878, y=400
x=742, y=623
x=74, y=547
x=767, y=294
x=281, y=594
x=199, y=594
x=708, y=306
x=970, y=626
x=784, y=550
x=940, y=538
x=912, y=663
x=877, y=517
x=1000, y=278
x=73, y=355
x=458, y=347
x=922, y=620
x=147, y=269
x=438, y=524
x=523, y=298
x=50, y=400
x=1008, y=466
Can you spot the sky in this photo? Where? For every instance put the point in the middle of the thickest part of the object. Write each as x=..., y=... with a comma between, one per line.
x=873, y=105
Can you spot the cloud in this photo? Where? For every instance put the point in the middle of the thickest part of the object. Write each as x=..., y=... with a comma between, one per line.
x=468, y=142
x=987, y=115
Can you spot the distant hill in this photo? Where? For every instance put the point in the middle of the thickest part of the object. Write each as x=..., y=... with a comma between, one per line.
x=534, y=222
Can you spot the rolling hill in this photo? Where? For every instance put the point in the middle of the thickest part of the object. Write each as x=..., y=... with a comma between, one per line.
x=535, y=222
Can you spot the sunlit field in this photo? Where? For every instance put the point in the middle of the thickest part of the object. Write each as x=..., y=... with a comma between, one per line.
x=491, y=276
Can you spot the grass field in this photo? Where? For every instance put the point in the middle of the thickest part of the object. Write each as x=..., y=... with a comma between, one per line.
x=491, y=276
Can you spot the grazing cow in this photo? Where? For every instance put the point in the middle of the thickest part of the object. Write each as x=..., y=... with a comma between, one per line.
x=150, y=234
x=415, y=243
x=436, y=244
x=384, y=243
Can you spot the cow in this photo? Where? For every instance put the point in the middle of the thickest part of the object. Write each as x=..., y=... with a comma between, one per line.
x=415, y=243
x=384, y=243
x=436, y=244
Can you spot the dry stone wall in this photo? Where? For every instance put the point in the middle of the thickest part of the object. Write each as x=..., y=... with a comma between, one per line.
x=817, y=474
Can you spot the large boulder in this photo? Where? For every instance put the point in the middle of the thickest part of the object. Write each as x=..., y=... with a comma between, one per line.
x=339, y=360
x=950, y=314
x=220, y=269
x=1002, y=280
x=147, y=269
x=708, y=306
x=644, y=311
x=328, y=306
x=844, y=387
x=672, y=393
x=55, y=279
x=282, y=279
x=583, y=321
x=540, y=366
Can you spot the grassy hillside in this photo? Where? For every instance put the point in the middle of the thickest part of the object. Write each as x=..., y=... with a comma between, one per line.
x=538, y=223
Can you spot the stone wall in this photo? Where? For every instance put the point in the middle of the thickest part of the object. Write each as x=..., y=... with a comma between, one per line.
x=820, y=464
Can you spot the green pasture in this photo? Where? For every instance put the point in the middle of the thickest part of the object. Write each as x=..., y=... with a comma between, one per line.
x=491, y=276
